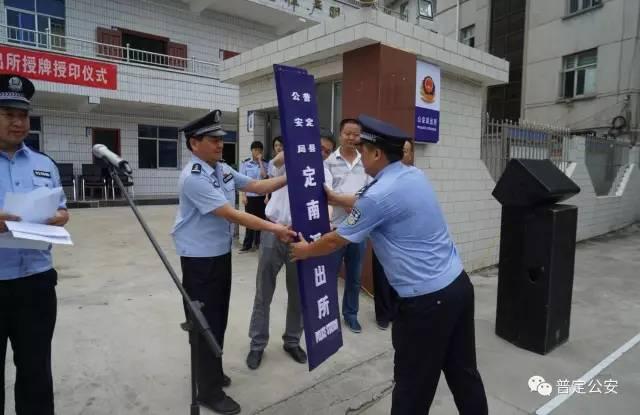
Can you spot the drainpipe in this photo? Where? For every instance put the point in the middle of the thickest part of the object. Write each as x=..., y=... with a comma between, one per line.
x=457, y=20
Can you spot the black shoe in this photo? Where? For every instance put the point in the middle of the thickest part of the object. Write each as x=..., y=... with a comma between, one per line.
x=244, y=250
x=224, y=405
x=226, y=381
x=382, y=324
x=296, y=353
x=254, y=358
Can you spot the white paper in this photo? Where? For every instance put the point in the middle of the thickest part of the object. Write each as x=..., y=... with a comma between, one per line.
x=36, y=206
x=8, y=241
x=39, y=232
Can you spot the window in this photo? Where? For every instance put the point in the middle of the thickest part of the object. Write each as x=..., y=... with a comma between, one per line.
x=157, y=147
x=576, y=6
x=36, y=22
x=467, y=36
x=33, y=139
x=579, y=74
x=426, y=8
x=404, y=11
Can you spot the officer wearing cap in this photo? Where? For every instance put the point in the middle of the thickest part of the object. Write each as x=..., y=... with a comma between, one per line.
x=434, y=328
x=28, y=302
x=202, y=236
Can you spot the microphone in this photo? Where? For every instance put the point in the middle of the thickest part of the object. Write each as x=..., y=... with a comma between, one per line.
x=102, y=152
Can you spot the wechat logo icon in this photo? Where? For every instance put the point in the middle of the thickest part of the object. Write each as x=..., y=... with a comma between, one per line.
x=538, y=384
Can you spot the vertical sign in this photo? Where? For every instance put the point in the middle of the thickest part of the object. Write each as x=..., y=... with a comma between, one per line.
x=428, y=91
x=309, y=214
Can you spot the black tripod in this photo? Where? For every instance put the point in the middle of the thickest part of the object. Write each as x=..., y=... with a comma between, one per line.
x=197, y=323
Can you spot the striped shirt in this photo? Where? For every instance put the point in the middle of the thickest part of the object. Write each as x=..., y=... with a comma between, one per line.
x=347, y=178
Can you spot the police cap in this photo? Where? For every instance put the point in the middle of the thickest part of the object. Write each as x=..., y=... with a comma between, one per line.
x=209, y=125
x=16, y=92
x=381, y=133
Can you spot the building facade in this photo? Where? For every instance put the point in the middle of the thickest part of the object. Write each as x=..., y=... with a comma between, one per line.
x=573, y=63
x=128, y=73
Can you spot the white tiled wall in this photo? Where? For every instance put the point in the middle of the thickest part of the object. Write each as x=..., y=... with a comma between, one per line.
x=459, y=176
x=204, y=34
x=66, y=139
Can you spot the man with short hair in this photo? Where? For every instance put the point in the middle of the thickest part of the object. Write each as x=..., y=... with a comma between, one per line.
x=256, y=168
x=434, y=327
x=347, y=171
x=202, y=236
x=273, y=255
x=28, y=303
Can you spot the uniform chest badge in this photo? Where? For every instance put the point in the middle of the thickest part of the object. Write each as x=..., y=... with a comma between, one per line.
x=196, y=168
x=227, y=177
x=41, y=173
x=353, y=217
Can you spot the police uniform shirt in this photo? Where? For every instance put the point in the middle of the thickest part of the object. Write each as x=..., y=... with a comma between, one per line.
x=251, y=168
x=408, y=231
x=26, y=171
x=202, y=189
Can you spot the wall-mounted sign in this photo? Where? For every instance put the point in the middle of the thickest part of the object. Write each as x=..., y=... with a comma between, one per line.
x=428, y=91
x=63, y=69
x=250, y=121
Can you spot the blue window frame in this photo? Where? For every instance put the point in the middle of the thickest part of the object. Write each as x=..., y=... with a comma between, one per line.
x=36, y=22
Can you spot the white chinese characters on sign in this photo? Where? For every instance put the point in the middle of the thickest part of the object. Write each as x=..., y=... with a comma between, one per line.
x=306, y=97
x=315, y=236
x=320, y=274
x=327, y=330
x=323, y=307
x=309, y=177
x=29, y=64
x=313, y=210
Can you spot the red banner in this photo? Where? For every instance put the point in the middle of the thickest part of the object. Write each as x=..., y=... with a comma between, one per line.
x=63, y=69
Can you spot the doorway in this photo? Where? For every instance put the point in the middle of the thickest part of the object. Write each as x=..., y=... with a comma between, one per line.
x=110, y=138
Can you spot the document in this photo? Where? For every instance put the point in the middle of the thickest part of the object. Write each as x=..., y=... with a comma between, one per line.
x=35, y=206
x=34, y=209
x=39, y=232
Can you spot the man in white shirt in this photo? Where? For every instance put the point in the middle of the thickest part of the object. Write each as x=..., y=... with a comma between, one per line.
x=348, y=175
x=273, y=255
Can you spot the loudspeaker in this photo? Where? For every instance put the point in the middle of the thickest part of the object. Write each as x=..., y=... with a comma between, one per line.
x=535, y=280
x=533, y=182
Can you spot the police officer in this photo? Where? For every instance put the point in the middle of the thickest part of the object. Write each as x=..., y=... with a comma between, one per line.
x=202, y=235
x=434, y=328
x=254, y=203
x=28, y=302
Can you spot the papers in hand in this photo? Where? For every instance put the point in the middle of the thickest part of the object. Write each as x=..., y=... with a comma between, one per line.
x=35, y=235
x=36, y=206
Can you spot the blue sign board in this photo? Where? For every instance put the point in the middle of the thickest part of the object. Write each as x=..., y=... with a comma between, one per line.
x=309, y=213
x=428, y=91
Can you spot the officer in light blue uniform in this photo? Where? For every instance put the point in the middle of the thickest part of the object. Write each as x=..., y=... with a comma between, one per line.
x=434, y=328
x=202, y=235
x=28, y=302
x=254, y=203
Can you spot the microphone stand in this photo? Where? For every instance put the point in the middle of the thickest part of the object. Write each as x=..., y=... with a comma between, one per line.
x=197, y=324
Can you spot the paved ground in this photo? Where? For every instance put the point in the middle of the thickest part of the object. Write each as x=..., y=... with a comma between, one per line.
x=118, y=348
